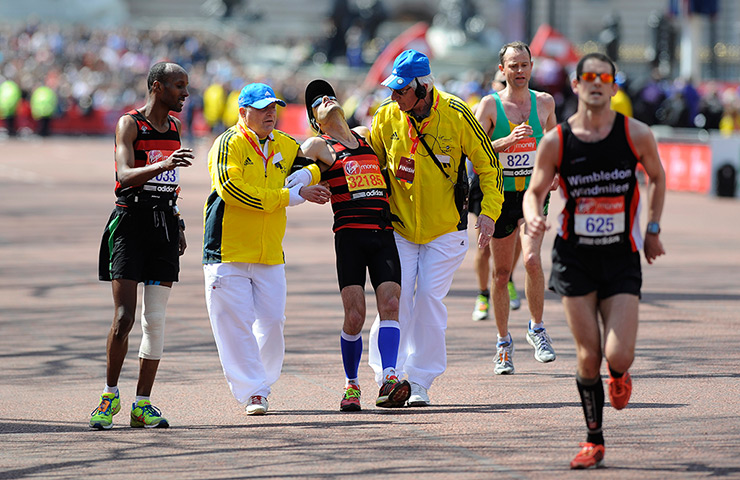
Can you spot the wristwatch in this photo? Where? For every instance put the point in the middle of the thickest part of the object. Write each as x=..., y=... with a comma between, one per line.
x=653, y=228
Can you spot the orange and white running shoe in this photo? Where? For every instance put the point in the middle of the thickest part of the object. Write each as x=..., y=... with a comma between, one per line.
x=620, y=390
x=590, y=456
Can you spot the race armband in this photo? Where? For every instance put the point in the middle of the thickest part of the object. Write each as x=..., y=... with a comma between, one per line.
x=300, y=162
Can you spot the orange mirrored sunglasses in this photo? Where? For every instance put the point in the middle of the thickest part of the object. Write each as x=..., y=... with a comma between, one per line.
x=591, y=76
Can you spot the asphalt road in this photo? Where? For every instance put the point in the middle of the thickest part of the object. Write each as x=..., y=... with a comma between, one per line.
x=55, y=197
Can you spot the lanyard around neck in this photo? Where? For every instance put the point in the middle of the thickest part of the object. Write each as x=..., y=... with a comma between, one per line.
x=416, y=139
x=256, y=147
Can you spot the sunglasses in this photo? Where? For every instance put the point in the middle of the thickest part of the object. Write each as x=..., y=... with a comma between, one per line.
x=320, y=99
x=591, y=76
x=402, y=91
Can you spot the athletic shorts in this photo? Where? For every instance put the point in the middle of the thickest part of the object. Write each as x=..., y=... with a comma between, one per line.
x=360, y=250
x=579, y=271
x=512, y=212
x=140, y=244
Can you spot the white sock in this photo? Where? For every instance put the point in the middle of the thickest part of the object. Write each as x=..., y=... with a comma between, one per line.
x=506, y=339
x=352, y=381
x=388, y=372
x=535, y=326
x=109, y=389
x=139, y=397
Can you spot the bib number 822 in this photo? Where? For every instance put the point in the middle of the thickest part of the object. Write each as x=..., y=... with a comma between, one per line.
x=517, y=160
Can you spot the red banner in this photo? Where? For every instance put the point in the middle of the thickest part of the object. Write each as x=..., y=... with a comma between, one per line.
x=688, y=166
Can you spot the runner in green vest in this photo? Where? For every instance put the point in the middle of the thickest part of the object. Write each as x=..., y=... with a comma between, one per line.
x=516, y=118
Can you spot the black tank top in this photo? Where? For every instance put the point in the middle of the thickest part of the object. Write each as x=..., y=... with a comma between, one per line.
x=601, y=195
x=359, y=195
x=151, y=146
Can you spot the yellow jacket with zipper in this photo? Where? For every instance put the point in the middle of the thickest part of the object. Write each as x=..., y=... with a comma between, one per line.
x=244, y=215
x=426, y=208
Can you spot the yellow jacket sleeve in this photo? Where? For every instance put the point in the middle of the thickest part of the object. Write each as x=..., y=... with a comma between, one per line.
x=478, y=148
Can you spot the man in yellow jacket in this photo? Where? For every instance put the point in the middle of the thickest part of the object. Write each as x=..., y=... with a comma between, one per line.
x=243, y=259
x=423, y=136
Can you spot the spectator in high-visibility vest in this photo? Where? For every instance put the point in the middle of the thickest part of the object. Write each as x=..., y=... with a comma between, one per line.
x=10, y=98
x=43, y=106
x=730, y=122
x=214, y=100
x=621, y=101
x=231, y=108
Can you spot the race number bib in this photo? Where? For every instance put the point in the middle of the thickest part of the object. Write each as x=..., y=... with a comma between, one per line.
x=518, y=159
x=599, y=216
x=405, y=170
x=168, y=177
x=363, y=175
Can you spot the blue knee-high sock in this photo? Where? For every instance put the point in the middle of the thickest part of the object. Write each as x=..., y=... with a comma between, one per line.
x=351, y=353
x=389, y=336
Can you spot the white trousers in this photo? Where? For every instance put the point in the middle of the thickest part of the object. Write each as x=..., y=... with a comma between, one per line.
x=426, y=276
x=246, y=304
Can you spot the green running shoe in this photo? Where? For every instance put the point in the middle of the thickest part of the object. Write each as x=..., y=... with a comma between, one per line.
x=481, y=308
x=144, y=414
x=102, y=417
x=514, y=302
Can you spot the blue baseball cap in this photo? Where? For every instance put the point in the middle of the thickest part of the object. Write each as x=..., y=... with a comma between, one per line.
x=258, y=95
x=406, y=67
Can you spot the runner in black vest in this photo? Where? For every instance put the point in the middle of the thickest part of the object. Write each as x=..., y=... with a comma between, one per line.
x=144, y=238
x=596, y=258
x=363, y=240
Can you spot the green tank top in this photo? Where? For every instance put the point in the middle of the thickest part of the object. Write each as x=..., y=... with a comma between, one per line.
x=517, y=161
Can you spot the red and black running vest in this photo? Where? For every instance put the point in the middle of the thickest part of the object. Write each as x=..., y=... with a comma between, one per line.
x=601, y=195
x=151, y=146
x=359, y=194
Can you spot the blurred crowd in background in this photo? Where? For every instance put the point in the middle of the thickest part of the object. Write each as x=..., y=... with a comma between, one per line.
x=49, y=72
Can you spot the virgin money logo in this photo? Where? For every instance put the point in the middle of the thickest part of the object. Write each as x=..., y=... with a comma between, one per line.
x=600, y=205
x=352, y=168
x=155, y=156
x=525, y=145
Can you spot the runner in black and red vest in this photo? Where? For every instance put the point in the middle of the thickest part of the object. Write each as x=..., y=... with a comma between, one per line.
x=144, y=238
x=363, y=240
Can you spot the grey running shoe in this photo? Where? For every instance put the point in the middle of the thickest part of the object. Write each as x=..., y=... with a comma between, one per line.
x=503, y=363
x=481, y=308
x=514, y=302
x=419, y=396
x=540, y=340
